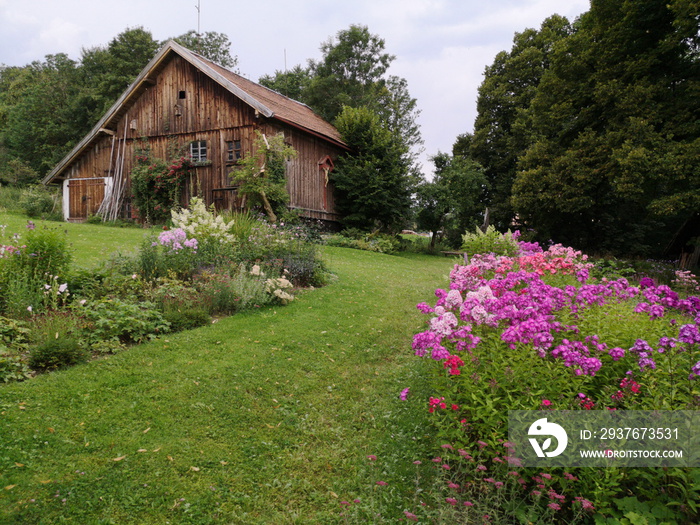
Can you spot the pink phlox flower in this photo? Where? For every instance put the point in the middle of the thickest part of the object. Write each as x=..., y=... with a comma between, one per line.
x=453, y=300
x=425, y=308
x=444, y=324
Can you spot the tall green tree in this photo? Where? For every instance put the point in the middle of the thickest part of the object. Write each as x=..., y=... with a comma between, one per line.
x=614, y=130
x=38, y=127
x=353, y=71
x=212, y=45
x=452, y=202
x=373, y=183
x=350, y=73
x=107, y=71
x=293, y=83
x=509, y=86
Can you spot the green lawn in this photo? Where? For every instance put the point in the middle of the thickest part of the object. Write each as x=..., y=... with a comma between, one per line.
x=90, y=244
x=264, y=417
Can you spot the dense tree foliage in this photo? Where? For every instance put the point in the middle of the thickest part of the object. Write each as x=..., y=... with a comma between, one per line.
x=212, y=45
x=592, y=133
x=105, y=72
x=373, y=183
x=293, y=83
x=36, y=104
x=452, y=201
x=509, y=86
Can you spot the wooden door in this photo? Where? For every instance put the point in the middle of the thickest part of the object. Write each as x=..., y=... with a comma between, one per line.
x=85, y=197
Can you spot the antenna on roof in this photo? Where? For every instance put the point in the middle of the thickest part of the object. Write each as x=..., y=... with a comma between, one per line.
x=198, y=13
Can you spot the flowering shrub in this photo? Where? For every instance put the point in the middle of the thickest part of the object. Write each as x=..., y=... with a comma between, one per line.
x=171, y=253
x=156, y=185
x=279, y=289
x=217, y=244
x=686, y=281
x=29, y=266
x=533, y=332
x=278, y=248
x=201, y=222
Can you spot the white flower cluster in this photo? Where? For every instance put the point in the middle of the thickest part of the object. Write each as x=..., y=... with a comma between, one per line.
x=199, y=221
x=277, y=288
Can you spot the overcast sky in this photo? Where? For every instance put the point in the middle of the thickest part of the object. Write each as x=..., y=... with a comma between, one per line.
x=441, y=46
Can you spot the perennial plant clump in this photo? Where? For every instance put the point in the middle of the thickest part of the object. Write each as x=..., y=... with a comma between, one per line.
x=533, y=331
x=202, y=222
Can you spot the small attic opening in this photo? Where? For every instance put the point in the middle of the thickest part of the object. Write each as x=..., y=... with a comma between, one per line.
x=182, y=95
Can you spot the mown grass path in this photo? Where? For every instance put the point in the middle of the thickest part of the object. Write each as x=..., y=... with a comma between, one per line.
x=263, y=417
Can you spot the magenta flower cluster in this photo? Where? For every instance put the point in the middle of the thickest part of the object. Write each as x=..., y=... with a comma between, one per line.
x=176, y=240
x=508, y=294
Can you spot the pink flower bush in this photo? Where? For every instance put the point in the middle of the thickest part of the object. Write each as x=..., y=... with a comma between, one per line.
x=177, y=240
x=508, y=294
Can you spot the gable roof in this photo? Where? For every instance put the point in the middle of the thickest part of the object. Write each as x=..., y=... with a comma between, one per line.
x=267, y=102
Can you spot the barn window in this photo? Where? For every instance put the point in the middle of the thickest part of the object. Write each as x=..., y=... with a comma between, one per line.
x=182, y=95
x=198, y=151
x=233, y=150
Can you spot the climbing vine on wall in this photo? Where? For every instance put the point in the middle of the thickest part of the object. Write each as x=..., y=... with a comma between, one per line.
x=156, y=185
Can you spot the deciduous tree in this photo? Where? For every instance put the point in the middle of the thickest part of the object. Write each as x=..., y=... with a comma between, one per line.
x=614, y=130
x=373, y=182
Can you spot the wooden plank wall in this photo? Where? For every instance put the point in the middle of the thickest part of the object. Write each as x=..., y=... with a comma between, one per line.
x=184, y=105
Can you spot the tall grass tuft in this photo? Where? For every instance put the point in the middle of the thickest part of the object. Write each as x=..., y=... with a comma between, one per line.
x=9, y=199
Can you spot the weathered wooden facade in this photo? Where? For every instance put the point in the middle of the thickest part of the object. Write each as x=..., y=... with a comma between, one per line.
x=209, y=112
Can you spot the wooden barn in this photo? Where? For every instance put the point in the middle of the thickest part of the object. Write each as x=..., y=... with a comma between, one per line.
x=213, y=115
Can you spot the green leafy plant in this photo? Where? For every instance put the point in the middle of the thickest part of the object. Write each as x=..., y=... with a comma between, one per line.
x=57, y=353
x=12, y=366
x=39, y=202
x=262, y=176
x=489, y=241
x=371, y=242
x=186, y=318
x=123, y=321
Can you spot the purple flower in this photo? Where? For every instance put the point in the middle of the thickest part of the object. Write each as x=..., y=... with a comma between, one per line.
x=616, y=353
x=695, y=371
x=646, y=282
x=689, y=334
x=404, y=394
